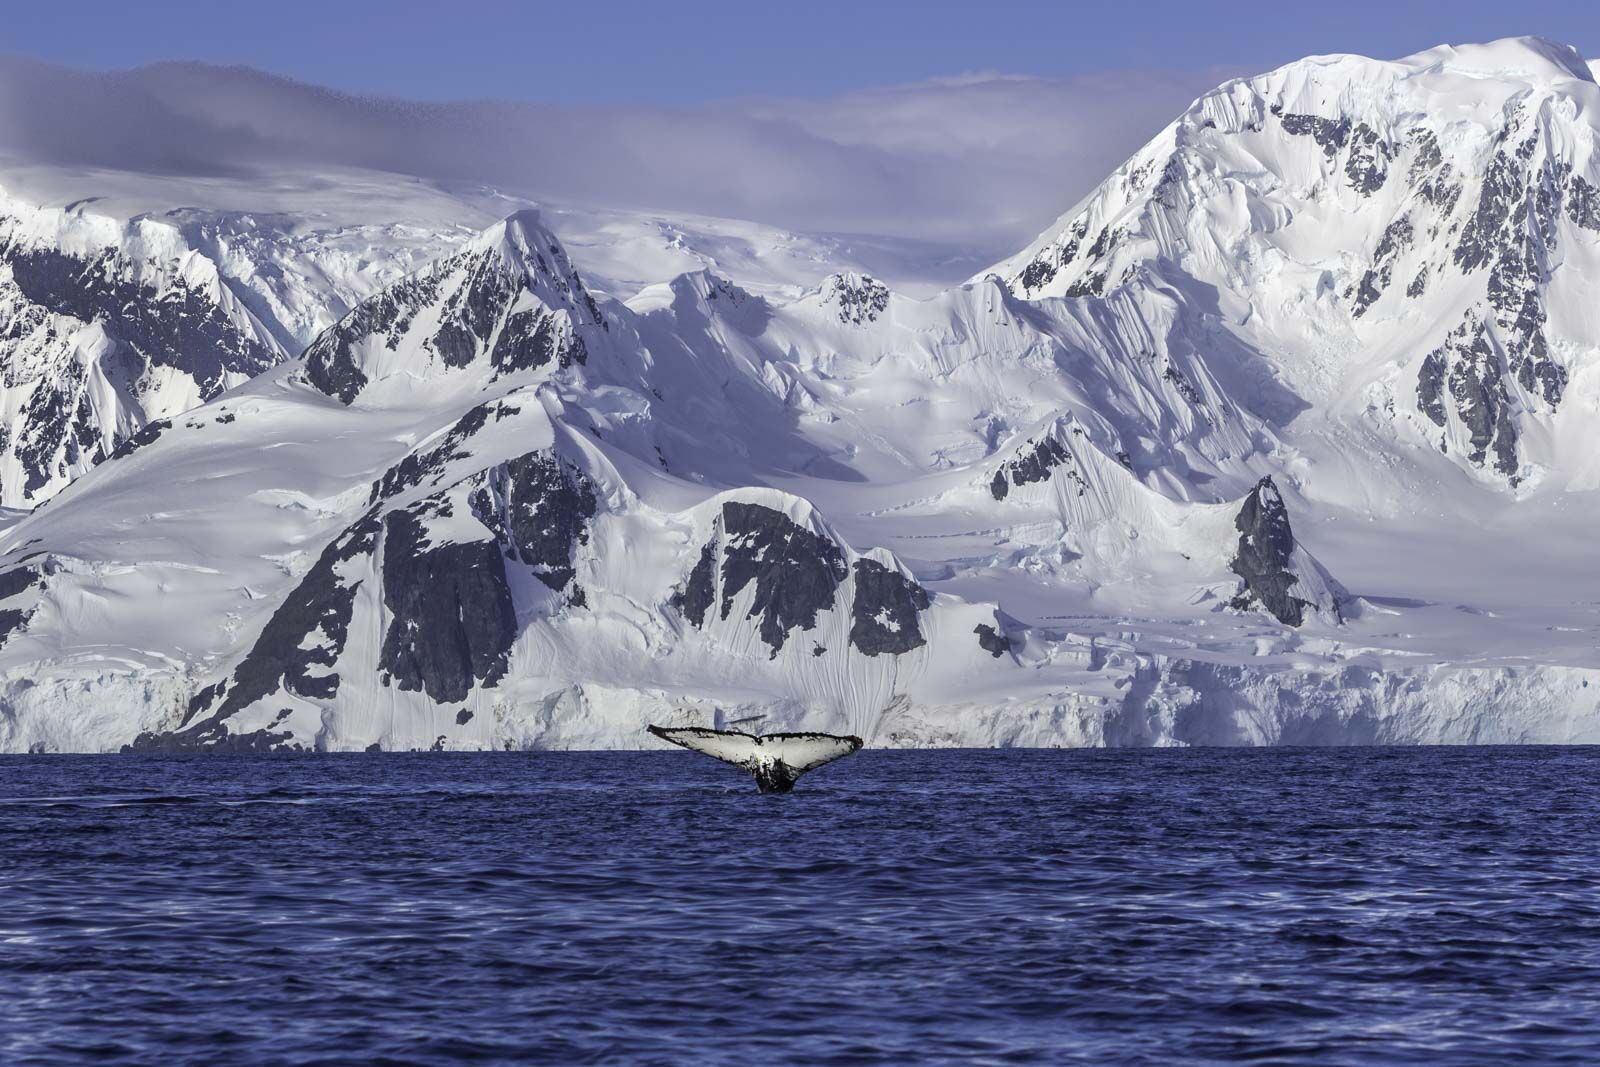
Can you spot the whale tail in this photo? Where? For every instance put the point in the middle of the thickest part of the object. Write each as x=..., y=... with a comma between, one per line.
x=776, y=760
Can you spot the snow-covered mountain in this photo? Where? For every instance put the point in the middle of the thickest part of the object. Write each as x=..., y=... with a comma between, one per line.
x=1275, y=438
x=1413, y=242
x=109, y=323
x=126, y=300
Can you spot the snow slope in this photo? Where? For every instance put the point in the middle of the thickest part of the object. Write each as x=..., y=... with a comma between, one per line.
x=127, y=299
x=1203, y=465
x=1407, y=247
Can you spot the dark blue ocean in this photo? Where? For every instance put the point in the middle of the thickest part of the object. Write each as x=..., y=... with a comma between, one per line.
x=1321, y=906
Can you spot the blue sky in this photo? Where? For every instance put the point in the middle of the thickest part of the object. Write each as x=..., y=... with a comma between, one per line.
x=968, y=126
x=627, y=51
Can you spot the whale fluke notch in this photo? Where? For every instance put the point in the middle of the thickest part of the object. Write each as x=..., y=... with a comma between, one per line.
x=776, y=760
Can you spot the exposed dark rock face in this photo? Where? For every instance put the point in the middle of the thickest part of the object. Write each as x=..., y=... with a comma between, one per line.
x=539, y=508
x=1480, y=395
x=1076, y=234
x=48, y=296
x=796, y=572
x=1468, y=365
x=331, y=359
x=700, y=591
x=858, y=299
x=11, y=620
x=1167, y=189
x=1442, y=191
x=991, y=640
x=884, y=615
x=1329, y=134
x=452, y=619
x=1513, y=231
x=19, y=580
x=319, y=607
x=1427, y=158
x=431, y=464
x=1483, y=236
x=180, y=327
x=1419, y=284
x=474, y=319
x=1103, y=242
x=1392, y=245
x=1430, y=175
x=531, y=339
x=213, y=736
x=148, y=435
x=1430, y=386
x=1134, y=181
x=470, y=312
x=1035, y=461
x=726, y=291
x=1093, y=283
x=15, y=611
x=797, y=575
x=1508, y=227
x=1044, y=268
x=1583, y=203
x=1266, y=546
x=1367, y=166
x=1499, y=360
x=1516, y=293
x=331, y=365
x=59, y=428
x=1180, y=382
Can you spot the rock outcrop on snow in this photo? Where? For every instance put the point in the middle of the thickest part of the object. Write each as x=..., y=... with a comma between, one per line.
x=1274, y=572
x=1333, y=322
x=1452, y=192
x=111, y=325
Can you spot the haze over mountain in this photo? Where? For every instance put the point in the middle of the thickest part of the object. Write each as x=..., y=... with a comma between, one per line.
x=974, y=165
x=1279, y=435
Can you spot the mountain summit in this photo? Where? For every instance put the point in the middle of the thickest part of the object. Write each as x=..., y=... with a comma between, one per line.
x=1280, y=436
x=1404, y=246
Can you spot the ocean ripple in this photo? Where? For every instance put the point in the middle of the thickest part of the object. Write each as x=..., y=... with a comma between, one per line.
x=1328, y=906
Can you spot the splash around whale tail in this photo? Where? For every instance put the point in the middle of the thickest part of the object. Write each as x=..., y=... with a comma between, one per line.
x=776, y=760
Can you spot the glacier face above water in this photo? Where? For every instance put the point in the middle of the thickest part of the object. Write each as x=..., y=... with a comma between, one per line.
x=1281, y=436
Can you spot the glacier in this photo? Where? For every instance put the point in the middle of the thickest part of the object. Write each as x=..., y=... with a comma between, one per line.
x=1280, y=436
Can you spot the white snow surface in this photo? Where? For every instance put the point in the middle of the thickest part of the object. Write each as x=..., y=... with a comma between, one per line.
x=1055, y=453
x=285, y=256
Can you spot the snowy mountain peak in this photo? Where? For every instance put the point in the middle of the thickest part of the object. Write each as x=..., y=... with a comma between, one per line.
x=857, y=299
x=520, y=234
x=1433, y=221
x=1535, y=58
x=523, y=245
x=106, y=326
x=510, y=303
x=1341, y=311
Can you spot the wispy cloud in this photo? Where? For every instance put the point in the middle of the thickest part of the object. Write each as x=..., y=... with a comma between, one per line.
x=983, y=160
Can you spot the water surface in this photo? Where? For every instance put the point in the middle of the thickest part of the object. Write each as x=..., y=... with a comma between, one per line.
x=1339, y=906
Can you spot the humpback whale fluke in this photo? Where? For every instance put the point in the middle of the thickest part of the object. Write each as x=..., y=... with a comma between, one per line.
x=776, y=760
